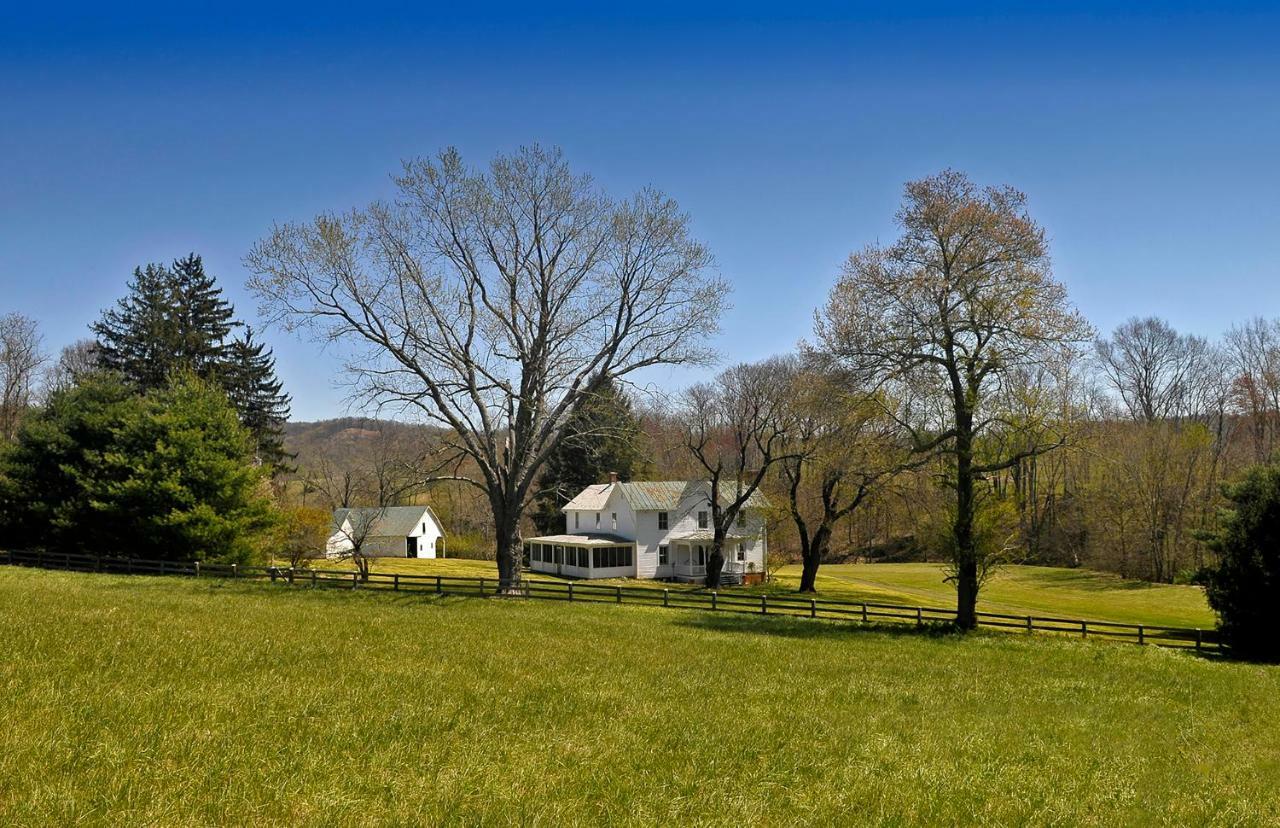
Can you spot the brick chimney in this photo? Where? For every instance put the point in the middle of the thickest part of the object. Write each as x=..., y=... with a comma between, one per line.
x=613, y=477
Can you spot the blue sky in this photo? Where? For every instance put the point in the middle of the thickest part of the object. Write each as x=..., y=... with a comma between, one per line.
x=1147, y=138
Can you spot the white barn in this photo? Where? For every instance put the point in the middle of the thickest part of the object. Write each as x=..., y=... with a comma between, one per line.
x=396, y=532
x=650, y=529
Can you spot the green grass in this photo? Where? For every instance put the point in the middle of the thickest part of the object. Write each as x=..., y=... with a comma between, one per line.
x=1020, y=590
x=175, y=701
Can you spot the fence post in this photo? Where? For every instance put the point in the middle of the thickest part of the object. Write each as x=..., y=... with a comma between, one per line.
x=482, y=587
x=919, y=616
x=764, y=604
x=290, y=576
x=395, y=582
x=666, y=597
x=313, y=579
x=1084, y=629
x=813, y=607
x=197, y=569
x=619, y=593
x=864, y=612
x=713, y=599
x=235, y=569
x=571, y=590
x=1141, y=635
x=439, y=589
x=1030, y=627
x=1199, y=639
x=355, y=576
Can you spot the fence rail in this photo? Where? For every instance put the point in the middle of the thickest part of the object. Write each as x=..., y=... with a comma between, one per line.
x=585, y=591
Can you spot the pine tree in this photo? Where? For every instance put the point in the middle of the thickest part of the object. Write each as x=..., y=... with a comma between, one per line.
x=602, y=436
x=174, y=319
x=249, y=376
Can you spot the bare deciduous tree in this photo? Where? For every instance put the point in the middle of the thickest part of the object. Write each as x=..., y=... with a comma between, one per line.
x=1254, y=353
x=20, y=360
x=74, y=362
x=1152, y=368
x=487, y=300
x=941, y=317
x=356, y=529
x=736, y=428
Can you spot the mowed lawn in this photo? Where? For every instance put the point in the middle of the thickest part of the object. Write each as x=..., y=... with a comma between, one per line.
x=176, y=702
x=1020, y=590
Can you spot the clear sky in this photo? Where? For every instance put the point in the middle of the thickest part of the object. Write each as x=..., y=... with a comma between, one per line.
x=1147, y=138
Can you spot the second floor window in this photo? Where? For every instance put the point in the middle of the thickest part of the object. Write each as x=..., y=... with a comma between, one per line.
x=614, y=517
x=597, y=520
x=662, y=520
x=702, y=520
x=742, y=518
x=575, y=520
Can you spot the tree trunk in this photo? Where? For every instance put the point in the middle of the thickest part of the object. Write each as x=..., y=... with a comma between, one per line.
x=715, y=563
x=509, y=553
x=811, y=554
x=966, y=553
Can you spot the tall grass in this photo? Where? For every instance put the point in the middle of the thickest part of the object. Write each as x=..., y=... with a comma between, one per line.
x=174, y=701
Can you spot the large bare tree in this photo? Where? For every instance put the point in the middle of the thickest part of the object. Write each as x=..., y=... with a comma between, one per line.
x=736, y=428
x=20, y=359
x=942, y=316
x=486, y=300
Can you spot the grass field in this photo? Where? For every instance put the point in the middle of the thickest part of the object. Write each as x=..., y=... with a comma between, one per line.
x=175, y=701
x=1022, y=590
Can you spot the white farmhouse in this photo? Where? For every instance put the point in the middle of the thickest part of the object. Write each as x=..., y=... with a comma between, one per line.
x=651, y=529
x=391, y=532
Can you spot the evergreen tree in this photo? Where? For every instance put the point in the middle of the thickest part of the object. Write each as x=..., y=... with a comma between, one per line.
x=250, y=379
x=1245, y=588
x=602, y=436
x=167, y=475
x=174, y=319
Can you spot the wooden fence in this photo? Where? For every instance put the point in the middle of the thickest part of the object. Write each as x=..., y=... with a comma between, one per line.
x=792, y=605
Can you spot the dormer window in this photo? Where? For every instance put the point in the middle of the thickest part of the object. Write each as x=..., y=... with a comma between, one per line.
x=702, y=520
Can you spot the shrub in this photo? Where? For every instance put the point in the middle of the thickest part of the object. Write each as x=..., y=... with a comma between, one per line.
x=1244, y=589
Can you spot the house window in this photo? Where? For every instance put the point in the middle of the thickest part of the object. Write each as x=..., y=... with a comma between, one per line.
x=662, y=553
x=702, y=520
x=742, y=552
x=575, y=520
x=662, y=520
x=424, y=528
x=597, y=520
x=615, y=521
x=742, y=518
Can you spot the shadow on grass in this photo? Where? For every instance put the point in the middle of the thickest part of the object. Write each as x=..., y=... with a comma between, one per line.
x=1086, y=581
x=794, y=627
